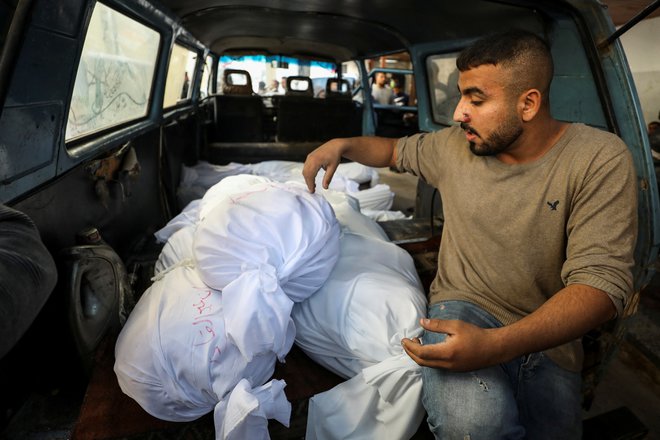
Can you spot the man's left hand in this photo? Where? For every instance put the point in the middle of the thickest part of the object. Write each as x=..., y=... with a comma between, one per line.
x=466, y=347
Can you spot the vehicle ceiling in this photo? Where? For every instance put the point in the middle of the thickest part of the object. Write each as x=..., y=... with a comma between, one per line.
x=345, y=29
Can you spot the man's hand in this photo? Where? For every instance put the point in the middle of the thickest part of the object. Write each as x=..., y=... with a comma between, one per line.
x=466, y=348
x=371, y=151
x=327, y=156
x=566, y=316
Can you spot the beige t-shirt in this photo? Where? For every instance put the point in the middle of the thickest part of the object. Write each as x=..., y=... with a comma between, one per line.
x=514, y=235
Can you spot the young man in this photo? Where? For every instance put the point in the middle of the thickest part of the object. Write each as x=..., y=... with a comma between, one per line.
x=537, y=245
x=400, y=97
x=380, y=91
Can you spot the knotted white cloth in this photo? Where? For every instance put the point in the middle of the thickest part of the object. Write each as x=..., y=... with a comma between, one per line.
x=244, y=414
x=172, y=355
x=353, y=326
x=385, y=402
x=372, y=294
x=205, y=336
x=265, y=248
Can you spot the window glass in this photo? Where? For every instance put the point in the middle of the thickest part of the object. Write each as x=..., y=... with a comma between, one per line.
x=238, y=79
x=269, y=73
x=115, y=74
x=443, y=84
x=206, y=77
x=392, y=88
x=179, y=76
x=298, y=85
x=391, y=80
x=350, y=71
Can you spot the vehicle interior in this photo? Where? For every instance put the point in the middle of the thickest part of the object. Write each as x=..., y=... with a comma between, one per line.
x=107, y=106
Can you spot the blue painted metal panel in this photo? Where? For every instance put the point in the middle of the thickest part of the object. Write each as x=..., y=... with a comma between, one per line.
x=574, y=95
x=31, y=122
x=628, y=122
x=31, y=147
x=61, y=16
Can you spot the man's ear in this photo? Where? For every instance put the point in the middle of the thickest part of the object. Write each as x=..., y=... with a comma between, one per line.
x=529, y=104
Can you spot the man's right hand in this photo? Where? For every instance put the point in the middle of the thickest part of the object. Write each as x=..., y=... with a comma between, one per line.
x=371, y=151
x=327, y=156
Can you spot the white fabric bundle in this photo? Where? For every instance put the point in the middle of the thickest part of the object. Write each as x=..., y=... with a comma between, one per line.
x=177, y=248
x=196, y=180
x=187, y=217
x=265, y=248
x=284, y=171
x=384, y=216
x=347, y=210
x=377, y=198
x=375, y=201
x=353, y=326
x=205, y=174
x=346, y=179
x=172, y=356
x=219, y=310
x=371, y=300
x=359, y=173
x=385, y=402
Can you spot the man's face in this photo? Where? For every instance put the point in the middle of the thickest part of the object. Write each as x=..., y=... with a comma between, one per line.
x=380, y=79
x=486, y=111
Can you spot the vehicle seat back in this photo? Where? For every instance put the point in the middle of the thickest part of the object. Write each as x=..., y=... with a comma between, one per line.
x=337, y=88
x=239, y=112
x=299, y=113
x=299, y=86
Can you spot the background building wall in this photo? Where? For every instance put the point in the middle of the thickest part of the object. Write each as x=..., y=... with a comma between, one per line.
x=643, y=52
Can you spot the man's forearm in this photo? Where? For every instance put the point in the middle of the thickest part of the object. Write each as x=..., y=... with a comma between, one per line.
x=369, y=150
x=568, y=315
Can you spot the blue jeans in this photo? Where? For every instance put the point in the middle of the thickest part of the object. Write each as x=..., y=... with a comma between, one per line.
x=528, y=397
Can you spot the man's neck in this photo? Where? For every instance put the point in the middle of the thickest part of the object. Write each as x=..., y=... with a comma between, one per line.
x=535, y=141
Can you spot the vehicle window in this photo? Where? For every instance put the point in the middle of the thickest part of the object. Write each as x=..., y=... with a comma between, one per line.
x=299, y=85
x=269, y=73
x=179, y=76
x=237, y=79
x=392, y=81
x=204, y=88
x=350, y=84
x=397, y=89
x=443, y=86
x=115, y=74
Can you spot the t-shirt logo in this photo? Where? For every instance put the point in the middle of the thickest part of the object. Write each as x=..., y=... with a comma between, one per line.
x=553, y=205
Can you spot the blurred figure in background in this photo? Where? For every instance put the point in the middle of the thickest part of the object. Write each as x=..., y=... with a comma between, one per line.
x=380, y=91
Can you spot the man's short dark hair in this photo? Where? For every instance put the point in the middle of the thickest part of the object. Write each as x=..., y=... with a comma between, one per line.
x=526, y=54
